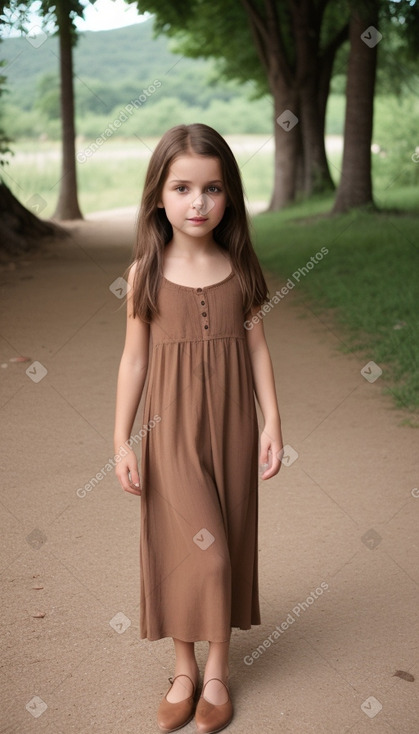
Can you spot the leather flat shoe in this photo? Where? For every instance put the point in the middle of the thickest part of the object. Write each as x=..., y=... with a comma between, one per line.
x=210, y=717
x=173, y=716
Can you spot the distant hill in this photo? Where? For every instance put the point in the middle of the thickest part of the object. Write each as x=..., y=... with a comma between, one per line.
x=110, y=67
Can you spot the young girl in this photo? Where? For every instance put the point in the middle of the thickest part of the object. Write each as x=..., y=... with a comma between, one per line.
x=194, y=282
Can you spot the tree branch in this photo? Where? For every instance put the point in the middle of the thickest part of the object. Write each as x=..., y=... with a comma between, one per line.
x=337, y=41
x=258, y=31
x=256, y=19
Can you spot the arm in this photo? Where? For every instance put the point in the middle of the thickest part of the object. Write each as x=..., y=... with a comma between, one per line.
x=131, y=379
x=264, y=382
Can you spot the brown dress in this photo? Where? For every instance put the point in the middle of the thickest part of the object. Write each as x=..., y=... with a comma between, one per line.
x=199, y=504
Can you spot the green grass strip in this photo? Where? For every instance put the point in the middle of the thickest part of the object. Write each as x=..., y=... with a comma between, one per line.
x=369, y=277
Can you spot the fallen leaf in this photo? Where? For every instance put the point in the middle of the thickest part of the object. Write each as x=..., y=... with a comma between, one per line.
x=38, y=615
x=404, y=676
x=37, y=587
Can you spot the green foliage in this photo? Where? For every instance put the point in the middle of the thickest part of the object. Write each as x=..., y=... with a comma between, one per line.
x=222, y=30
x=53, y=12
x=396, y=134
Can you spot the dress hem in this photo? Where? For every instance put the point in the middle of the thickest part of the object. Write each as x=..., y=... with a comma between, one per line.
x=197, y=639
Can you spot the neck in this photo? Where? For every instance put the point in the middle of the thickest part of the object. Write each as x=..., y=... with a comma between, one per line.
x=191, y=246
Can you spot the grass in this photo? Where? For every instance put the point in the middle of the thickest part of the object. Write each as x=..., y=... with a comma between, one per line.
x=368, y=277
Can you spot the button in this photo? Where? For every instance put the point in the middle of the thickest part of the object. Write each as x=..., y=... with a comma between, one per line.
x=206, y=326
x=204, y=313
x=199, y=290
x=202, y=303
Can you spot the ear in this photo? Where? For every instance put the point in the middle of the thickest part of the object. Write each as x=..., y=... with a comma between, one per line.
x=160, y=205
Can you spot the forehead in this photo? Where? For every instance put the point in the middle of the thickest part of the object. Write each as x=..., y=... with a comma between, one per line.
x=193, y=167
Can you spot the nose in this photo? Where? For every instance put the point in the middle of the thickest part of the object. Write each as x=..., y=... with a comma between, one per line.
x=198, y=203
x=203, y=204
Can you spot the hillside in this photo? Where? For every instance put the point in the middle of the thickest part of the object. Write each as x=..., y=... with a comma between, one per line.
x=111, y=66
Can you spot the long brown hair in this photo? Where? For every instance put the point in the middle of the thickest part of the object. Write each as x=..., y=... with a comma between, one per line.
x=154, y=230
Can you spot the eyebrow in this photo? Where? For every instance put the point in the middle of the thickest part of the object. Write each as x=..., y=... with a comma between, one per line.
x=182, y=181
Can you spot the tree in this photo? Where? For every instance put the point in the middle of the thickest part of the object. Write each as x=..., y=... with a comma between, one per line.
x=61, y=14
x=20, y=230
x=355, y=187
x=66, y=11
x=287, y=49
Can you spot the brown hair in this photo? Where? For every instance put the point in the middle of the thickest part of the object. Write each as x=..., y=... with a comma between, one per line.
x=154, y=230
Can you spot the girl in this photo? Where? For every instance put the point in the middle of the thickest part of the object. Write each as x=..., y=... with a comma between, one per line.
x=194, y=281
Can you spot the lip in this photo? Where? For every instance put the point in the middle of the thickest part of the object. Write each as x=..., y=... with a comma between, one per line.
x=198, y=219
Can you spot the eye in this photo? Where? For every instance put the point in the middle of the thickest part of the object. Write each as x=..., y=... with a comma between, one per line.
x=214, y=189
x=181, y=189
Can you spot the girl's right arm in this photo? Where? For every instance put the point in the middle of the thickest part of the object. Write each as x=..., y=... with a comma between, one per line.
x=131, y=378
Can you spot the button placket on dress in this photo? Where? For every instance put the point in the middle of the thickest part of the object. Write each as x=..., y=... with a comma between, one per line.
x=203, y=309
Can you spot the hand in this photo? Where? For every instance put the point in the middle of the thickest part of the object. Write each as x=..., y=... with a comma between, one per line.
x=271, y=452
x=127, y=473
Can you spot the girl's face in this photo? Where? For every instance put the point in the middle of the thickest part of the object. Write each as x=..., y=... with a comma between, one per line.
x=193, y=195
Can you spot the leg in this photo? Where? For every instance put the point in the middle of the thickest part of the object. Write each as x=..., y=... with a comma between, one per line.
x=215, y=709
x=217, y=667
x=185, y=665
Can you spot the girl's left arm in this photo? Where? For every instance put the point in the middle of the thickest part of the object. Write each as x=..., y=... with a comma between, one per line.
x=264, y=384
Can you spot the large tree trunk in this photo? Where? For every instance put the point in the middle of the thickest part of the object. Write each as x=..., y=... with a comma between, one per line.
x=294, y=77
x=306, y=25
x=355, y=187
x=287, y=148
x=317, y=178
x=20, y=230
x=67, y=206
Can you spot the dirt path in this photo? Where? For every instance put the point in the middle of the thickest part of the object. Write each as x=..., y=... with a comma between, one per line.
x=338, y=527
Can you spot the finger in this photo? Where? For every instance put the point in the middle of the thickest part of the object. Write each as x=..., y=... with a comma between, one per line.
x=134, y=477
x=274, y=467
x=133, y=490
x=126, y=483
x=264, y=455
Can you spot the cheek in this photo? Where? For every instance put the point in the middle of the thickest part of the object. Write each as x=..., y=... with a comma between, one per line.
x=220, y=206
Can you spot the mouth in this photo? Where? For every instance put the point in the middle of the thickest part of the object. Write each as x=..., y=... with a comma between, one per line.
x=197, y=219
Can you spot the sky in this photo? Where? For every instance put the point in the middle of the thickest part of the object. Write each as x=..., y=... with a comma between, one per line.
x=99, y=16
x=107, y=14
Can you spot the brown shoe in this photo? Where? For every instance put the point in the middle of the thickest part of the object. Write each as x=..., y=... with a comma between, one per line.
x=172, y=716
x=210, y=717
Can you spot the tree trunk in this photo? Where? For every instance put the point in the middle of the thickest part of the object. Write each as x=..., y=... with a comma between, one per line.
x=287, y=147
x=301, y=164
x=355, y=187
x=67, y=206
x=306, y=27
x=20, y=230
x=317, y=178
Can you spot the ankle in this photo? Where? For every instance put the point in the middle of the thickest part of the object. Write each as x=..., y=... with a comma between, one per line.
x=213, y=670
x=189, y=668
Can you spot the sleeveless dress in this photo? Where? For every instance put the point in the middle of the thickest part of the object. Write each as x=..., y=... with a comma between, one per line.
x=199, y=469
